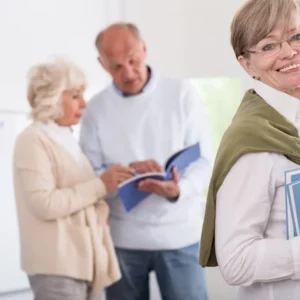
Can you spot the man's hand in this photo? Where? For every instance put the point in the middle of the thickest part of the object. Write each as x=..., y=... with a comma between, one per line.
x=115, y=175
x=167, y=189
x=146, y=166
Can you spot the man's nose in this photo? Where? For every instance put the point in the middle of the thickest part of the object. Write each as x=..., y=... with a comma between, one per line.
x=128, y=72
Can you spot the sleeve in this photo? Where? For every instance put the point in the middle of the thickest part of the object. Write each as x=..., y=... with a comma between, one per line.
x=244, y=202
x=92, y=148
x=90, y=142
x=195, y=179
x=34, y=172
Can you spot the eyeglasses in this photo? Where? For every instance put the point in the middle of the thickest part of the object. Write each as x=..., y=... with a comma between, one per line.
x=271, y=49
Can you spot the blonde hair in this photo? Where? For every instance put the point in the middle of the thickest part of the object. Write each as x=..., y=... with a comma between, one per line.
x=257, y=18
x=46, y=83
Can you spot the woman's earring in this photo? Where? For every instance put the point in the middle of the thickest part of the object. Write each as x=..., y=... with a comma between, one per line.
x=253, y=77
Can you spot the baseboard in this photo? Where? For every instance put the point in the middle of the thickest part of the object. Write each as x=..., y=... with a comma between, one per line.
x=15, y=292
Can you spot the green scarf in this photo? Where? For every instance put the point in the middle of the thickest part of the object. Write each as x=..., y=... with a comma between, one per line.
x=256, y=127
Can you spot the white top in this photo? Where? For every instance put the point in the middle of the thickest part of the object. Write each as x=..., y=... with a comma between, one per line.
x=250, y=240
x=63, y=136
x=163, y=119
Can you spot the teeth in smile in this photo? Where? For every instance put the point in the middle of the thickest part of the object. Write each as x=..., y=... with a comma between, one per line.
x=290, y=68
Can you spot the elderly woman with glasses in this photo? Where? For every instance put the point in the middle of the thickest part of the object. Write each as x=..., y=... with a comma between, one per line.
x=66, y=247
x=246, y=218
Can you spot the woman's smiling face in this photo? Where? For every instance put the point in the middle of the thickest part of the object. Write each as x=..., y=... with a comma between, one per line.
x=275, y=60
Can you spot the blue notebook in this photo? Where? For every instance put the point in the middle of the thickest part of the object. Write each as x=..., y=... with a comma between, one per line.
x=292, y=202
x=128, y=191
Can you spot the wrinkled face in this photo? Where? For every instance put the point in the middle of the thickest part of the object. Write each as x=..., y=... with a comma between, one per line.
x=73, y=105
x=126, y=64
x=275, y=60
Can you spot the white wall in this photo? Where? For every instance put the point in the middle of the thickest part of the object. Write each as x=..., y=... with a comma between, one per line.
x=32, y=31
x=11, y=277
x=187, y=38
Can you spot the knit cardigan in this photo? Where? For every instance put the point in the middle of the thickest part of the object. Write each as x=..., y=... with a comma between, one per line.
x=61, y=212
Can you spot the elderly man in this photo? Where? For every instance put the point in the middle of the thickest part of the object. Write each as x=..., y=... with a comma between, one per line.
x=139, y=121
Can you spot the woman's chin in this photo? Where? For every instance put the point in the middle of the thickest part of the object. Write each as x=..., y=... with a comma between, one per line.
x=75, y=122
x=291, y=86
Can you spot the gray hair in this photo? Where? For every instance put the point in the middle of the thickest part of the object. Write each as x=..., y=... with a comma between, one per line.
x=257, y=18
x=129, y=26
x=46, y=83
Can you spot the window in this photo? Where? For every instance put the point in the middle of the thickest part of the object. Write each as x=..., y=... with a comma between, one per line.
x=221, y=98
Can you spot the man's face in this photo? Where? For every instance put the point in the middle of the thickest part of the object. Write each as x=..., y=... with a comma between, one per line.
x=125, y=62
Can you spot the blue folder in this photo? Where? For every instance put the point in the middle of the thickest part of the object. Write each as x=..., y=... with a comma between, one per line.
x=292, y=202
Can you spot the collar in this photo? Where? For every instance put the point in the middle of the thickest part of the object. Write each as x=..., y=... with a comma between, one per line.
x=63, y=136
x=144, y=89
x=285, y=104
x=65, y=130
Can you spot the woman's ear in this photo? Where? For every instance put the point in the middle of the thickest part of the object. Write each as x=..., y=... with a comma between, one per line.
x=246, y=65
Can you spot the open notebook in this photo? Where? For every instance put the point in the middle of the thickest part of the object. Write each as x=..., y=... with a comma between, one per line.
x=128, y=191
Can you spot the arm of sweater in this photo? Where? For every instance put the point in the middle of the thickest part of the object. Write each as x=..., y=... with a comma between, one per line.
x=195, y=179
x=34, y=172
x=244, y=203
x=90, y=142
x=91, y=146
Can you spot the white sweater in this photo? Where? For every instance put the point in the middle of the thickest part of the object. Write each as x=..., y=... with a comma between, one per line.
x=164, y=118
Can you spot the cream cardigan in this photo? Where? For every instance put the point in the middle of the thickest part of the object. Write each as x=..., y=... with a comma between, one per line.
x=62, y=214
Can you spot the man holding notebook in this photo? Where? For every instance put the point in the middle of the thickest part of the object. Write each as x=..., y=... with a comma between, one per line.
x=140, y=120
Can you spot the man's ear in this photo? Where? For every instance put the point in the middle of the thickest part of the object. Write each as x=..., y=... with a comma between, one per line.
x=144, y=49
x=246, y=65
x=102, y=62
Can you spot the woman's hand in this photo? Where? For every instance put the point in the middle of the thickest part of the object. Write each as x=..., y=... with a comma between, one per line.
x=115, y=175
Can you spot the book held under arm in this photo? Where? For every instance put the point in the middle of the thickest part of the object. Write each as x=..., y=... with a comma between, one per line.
x=292, y=202
x=128, y=191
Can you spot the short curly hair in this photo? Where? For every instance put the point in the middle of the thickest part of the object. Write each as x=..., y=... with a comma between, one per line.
x=46, y=83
